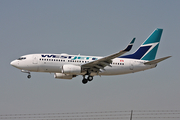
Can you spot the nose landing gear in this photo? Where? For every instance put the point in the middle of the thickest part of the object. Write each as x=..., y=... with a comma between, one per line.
x=29, y=74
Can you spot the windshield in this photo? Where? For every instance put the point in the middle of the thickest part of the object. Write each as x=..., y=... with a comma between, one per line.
x=21, y=58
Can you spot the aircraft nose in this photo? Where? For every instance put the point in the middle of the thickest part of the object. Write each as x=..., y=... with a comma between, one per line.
x=13, y=63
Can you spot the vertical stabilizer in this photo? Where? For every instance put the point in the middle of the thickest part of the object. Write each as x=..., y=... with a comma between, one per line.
x=148, y=50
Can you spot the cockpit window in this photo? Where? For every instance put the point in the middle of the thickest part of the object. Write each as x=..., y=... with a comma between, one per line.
x=21, y=58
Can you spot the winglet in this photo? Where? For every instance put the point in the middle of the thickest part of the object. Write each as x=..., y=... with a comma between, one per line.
x=128, y=48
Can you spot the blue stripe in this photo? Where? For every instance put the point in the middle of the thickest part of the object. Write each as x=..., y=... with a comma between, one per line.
x=138, y=54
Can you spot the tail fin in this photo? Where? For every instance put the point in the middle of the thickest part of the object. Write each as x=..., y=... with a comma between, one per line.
x=148, y=50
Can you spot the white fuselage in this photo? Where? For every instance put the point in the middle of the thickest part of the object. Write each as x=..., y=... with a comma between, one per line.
x=53, y=63
x=66, y=66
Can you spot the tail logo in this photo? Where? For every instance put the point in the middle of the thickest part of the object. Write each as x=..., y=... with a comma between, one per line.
x=148, y=50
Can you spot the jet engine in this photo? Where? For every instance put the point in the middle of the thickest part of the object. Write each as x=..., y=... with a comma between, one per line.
x=71, y=69
x=63, y=76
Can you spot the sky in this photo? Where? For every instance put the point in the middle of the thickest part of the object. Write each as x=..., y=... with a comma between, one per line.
x=88, y=27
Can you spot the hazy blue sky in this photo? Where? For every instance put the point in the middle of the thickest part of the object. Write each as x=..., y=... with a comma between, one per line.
x=94, y=27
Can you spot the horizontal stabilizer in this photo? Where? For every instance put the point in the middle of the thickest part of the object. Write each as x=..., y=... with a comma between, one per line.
x=156, y=61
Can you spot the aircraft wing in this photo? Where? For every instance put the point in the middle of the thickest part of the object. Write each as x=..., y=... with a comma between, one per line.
x=106, y=61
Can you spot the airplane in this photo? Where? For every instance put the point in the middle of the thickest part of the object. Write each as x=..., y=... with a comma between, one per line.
x=65, y=66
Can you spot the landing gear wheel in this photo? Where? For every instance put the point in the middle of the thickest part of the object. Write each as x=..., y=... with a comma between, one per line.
x=84, y=81
x=29, y=76
x=90, y=78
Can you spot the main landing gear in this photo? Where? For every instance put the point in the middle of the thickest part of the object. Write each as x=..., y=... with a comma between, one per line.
x=85, y=80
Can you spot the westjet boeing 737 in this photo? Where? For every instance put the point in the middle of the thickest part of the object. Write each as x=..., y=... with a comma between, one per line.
x=65, y=66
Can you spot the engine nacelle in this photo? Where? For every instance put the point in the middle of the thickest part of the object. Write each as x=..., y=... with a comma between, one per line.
x=71, y=69
x=63, y=76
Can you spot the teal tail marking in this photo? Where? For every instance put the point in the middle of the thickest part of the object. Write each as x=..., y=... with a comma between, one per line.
x=148, y=50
